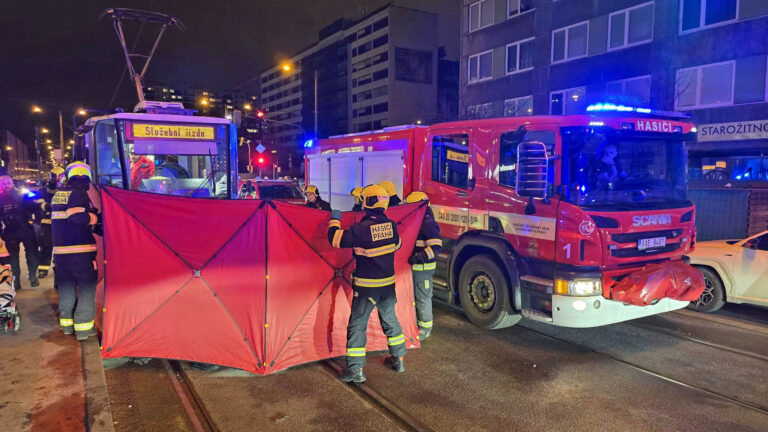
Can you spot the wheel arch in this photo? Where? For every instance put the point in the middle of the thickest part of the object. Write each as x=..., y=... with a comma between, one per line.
x=718, y=269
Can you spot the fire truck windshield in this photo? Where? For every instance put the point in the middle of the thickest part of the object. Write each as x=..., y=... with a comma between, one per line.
x=608, y=171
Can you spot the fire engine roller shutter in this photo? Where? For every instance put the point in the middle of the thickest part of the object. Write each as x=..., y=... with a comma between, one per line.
x=384, y=166
x=248, y=284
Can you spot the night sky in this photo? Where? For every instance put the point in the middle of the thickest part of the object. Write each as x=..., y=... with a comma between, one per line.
x=55, y=53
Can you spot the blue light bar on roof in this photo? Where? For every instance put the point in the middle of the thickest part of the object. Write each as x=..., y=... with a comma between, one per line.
x=611, y=107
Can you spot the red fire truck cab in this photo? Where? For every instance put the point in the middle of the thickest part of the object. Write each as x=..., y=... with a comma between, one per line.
x=541, y=216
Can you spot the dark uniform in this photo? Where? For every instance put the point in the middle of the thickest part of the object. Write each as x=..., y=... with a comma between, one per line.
x=423, y=264
x=74, y=252
x=375, y=240
x=319, y=204
x=17, y=212
x=46, y=237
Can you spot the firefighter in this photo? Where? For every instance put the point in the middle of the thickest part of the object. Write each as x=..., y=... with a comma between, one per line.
x=74, y=252
x=422, y=261
x=314, y=200
x=17, y=212
x=358, y=201
x=391, y=191
x=45, y=241
x=375, y=241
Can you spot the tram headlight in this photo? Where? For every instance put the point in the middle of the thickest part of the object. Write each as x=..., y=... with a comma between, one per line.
x=578, y=287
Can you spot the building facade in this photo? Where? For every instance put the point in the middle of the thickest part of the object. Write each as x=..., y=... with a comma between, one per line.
x=16, y=159
x=377, y=71
x=707, y=58
x=206, y=102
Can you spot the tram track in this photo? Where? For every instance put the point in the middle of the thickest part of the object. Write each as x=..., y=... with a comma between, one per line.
x=194, y=407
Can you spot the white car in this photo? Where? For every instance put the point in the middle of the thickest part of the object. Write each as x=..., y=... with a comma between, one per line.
x=736, y=271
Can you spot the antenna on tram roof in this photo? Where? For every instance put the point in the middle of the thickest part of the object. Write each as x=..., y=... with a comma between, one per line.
x=118, y=15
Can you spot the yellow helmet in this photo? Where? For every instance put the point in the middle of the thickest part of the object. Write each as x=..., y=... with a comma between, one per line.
x=416, y=196
x=79, y=169
x=375, y=196
x=356, y=192
x=311, y=189
x=389, y=187
x=57, y=170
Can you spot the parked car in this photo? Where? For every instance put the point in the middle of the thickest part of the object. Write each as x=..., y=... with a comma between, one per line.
x=278, y=190
x=735, y=271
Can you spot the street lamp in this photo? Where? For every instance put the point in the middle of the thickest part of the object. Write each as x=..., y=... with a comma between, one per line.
x=286, y=67
x=247, y=107
x=44, y=130
x=204, y=102
x=37, y=110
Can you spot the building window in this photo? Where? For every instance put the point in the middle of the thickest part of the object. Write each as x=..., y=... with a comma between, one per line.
x=380, y=108
x=699, y=14
x=570, y=42
x=705, y=86
x=380, y=24
x=480, y=111
x=413, y=66
x=567, y=102
x=480, y=66
x=516, y=7
x=630, y=26
x=517, y=107
x=637, y=87
x=450, y=159
x=480, y=14
x=520, y=56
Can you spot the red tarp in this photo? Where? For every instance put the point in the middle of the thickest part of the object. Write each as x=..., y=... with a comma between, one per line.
x=676, y=280
x=248, y=284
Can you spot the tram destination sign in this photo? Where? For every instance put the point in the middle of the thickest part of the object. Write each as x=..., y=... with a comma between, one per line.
x=170, y=131
x=735, y=131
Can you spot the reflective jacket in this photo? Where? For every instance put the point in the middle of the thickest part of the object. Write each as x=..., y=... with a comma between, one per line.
x=428, y=244
x=45, y=202
x=72, y=217
x=375, y=241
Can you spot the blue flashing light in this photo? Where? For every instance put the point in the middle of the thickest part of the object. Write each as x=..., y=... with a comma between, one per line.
x=596, y=123
x=612, y=107
x=746, y=174
x=309, y=143
x=738, y=177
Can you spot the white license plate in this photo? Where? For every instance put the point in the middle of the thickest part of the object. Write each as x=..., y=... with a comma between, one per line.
x=651, y=243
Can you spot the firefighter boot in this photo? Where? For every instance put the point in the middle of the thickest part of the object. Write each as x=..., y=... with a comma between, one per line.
x=353, y=375
x=85, y=334
x=395, y=363
x=33, y=282
x=424, y=333
x=41, y=274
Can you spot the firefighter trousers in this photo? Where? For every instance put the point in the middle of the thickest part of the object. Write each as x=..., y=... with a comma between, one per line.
x=13, y=243
x=358, y=324
x=77, y=290
x=422, y=293
x=45, y=247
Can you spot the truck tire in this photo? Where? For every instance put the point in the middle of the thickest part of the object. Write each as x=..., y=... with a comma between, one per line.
x=484, y=294
x=713, y=296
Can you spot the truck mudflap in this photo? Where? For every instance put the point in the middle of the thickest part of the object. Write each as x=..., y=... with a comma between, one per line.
x=672, y=279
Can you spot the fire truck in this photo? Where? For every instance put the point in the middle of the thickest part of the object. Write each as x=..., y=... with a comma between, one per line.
x=541, y=216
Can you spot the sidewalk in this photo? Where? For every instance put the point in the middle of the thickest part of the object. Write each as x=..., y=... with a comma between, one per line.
x=49, y=380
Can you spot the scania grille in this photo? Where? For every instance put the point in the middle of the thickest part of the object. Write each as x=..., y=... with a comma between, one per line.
x=627, y=244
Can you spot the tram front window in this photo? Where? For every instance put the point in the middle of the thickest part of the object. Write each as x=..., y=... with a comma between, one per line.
x=166, y=173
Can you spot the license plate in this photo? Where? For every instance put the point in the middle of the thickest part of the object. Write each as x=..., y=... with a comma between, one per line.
x=651, y=243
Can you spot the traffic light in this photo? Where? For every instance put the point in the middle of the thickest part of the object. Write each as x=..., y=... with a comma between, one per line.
x=261, y=160
x=260, y=114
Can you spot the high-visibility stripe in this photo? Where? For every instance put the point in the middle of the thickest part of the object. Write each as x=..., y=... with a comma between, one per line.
x=374, y=252
x=75, y=210
x=46, y=221
x=59, y=215
x=425, y=324
x=39, y=201
x=429, y=252
x=66, y=322
x=434, y=242
x=43, y=267
x=422, y=267
x=337, y=238
x=397, y=340
x=421, y=243
x=84, y=326
x=74, y=249
x=93, y=220
x=374, y=283
x=355, y=352
x=334, y=223
x=426, y=284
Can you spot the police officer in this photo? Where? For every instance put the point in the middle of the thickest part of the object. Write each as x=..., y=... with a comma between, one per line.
x=391, y=191
x=74, y=252
x=422, y=261
x=16, y=212
x=375, y=241
x=45, y=241
x=314, y=200
x=355, y=193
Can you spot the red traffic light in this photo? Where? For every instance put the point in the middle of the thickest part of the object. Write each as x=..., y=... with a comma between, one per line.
x=260, y=114
x=261, y=160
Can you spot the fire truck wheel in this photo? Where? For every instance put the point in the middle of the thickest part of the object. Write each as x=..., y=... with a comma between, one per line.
x=713, y=296
x=484, y=294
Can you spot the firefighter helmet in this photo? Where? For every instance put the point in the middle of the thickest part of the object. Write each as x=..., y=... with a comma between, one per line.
x=57, y=170
x=416, y=196
x=311, y=189
x=356, y=192
x=79, y=169
x=389, y=187
x=374, y=196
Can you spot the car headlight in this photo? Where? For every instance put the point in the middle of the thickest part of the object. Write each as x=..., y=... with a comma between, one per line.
x=24, y=190
x=578, y=287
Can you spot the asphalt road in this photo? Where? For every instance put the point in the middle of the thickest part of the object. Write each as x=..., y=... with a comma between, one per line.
x=531, y=377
